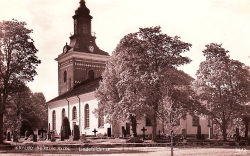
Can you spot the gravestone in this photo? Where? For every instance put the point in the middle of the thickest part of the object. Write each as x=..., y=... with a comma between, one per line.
x=34, y=138
x=26, y=135
x=8, y=136
x=198, y=135
x=237, y=134
x=128, y=129
x=123, y=132
x=95, y=131
x=109, y=132
x=143, y=132
x=49, y=136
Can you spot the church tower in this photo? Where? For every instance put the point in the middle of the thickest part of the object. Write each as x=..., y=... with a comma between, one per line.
x=82, y=59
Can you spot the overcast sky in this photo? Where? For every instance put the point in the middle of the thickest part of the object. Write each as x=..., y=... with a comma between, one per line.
x=198, y=22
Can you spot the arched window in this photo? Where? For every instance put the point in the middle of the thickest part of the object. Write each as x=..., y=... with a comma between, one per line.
x=101, y=119
x=74, y=113
x=54, y=120
x=63, y=113
x=86, y=112
x=65, y=76
x=91, y=75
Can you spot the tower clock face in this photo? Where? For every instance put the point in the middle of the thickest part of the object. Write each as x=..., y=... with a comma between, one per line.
x=91, y=48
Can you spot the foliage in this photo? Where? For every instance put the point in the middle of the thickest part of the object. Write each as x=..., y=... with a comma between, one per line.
x=76, y=132
x=18, y=61
x=138, y=76
x=27, y=108
x=65, y=128
x=25, y=128
x=223, y=86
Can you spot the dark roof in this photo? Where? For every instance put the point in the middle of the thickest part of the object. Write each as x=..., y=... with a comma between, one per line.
x=82, y=88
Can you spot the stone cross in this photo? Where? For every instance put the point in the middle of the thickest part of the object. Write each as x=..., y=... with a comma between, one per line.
x=143, y=132
x=94, y=131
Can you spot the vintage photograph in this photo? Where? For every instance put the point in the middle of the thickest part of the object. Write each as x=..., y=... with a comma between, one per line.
x=125, y=77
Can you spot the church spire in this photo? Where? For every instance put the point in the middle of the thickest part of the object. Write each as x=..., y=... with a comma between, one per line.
x=82, y=2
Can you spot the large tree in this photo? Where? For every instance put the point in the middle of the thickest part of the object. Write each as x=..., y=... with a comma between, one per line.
x=25, y=106
x=138, y=76
x=18, y=61
x=223, y=85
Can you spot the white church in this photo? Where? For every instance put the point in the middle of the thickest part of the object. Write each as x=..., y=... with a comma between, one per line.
x=80, y=66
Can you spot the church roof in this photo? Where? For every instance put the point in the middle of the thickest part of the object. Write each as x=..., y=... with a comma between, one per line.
x=82, y=88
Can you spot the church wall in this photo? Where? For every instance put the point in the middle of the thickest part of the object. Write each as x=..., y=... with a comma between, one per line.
x=184, y=124
x=187, y=124
x=74, y=102
x=58, y=107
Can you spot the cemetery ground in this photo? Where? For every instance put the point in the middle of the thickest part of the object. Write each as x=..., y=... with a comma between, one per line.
x=121, y=146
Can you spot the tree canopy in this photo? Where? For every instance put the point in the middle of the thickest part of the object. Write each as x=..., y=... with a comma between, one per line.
x=140, y=74
x=18, y=61
x=223, y=86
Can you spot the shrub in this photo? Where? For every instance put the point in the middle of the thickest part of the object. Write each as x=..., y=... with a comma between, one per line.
x=65, y=130
x=76, y=132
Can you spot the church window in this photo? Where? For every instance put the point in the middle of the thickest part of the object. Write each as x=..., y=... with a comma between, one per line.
x=86, y=112
x=63, y=114
x=196, y=121
x=54, y=120
x=65, y=76
x=91, y=75
x=148, y=121
x=74, y=113
x=101, y=119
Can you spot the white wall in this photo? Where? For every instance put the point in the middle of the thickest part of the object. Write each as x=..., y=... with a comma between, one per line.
x=184, y=124
x=74, y=101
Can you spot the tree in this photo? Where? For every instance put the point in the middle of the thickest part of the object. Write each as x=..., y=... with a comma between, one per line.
x=223, y=85
x=18, y=60
x=137, y=77
x=76, y=132
x=25, y=106
x=65, y=128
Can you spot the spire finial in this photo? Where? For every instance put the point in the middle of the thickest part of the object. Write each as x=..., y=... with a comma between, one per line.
x=82, y=2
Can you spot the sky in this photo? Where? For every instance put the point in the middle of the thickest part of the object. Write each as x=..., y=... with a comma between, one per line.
x=198, y=22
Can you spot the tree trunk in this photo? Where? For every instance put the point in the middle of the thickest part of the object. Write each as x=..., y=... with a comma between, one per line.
x=154, y=126
x=3, y=99
x=1, y=126
x=246, y=122
x=134, y=125
x=1, y=118
x=224, y=131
